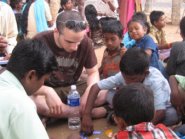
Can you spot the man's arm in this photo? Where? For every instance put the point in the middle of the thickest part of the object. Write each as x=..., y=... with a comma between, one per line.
x=87, y=125
x=92, y=78
x=53, y=101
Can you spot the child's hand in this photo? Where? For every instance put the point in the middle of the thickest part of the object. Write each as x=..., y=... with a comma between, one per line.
x=3, y=43
x=87, y=125
x=123, y=50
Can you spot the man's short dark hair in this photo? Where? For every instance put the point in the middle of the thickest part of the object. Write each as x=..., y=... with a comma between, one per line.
x=31, y=55
x=155, y=16
x=113, y=26
x=134, y=62
x=71, y=20
x=134, y=103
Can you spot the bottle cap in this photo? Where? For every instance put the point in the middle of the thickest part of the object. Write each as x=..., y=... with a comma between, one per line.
x=73, y=87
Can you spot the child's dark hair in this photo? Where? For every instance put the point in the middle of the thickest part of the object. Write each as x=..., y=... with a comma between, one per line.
x=140, y=16
x=182, y=26
x=13, y=3
x=62, y=3
x=155, y=15
x=134, y=103
x=134, y=62
x=91, y=16
x=142, y=22
x=113, y=26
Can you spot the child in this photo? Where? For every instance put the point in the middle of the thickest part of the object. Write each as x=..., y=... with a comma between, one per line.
x=112, y=34
x=16, y=5
x=176, y=62
x=95, y=32
x=158, y=21
x=66, y=5
x=127, y=40
x=134, y=110
x=134, y=67
x=17, y=8
x=138, y=31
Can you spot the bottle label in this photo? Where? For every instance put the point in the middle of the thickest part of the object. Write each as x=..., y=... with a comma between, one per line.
x=73, y=102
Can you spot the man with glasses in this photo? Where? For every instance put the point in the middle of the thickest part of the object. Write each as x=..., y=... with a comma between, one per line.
x=73, y=51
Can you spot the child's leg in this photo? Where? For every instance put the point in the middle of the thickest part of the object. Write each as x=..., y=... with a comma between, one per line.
x=99, y=112
x=171, y=116
x=101, y=98
x=103, y=111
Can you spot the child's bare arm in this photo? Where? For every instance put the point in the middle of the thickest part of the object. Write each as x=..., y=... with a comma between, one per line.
x=149, y=52
x=176, y=98
x=158, y=116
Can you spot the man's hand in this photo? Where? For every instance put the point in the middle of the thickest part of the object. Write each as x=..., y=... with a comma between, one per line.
x=3, y=43
x=83, y=101
x=54, y=102
x=87, y=125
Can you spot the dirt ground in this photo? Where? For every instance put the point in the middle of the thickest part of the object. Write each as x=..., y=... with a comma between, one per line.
x=60, y=130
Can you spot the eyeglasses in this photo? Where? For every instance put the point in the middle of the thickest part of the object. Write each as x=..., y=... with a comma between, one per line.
x=73, y=24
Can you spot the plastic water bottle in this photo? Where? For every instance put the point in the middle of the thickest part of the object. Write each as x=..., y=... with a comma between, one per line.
x=74, y=102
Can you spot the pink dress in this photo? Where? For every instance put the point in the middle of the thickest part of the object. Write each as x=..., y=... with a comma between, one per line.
x=126, y=11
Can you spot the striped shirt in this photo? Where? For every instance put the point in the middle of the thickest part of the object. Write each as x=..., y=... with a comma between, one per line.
x=146, y=130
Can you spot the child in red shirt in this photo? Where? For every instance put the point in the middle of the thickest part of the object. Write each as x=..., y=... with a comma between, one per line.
x=134, y=110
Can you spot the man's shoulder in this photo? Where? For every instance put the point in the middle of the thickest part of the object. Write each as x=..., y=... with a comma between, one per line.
x=86, y=42
x=44, y=34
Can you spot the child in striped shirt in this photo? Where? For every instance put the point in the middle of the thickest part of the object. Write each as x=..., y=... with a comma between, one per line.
x=134, y=111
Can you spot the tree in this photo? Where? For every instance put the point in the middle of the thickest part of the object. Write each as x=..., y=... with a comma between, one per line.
x=176, y=11
x=148, y=6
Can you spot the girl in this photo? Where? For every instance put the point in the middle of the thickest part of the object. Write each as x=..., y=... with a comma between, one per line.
x=95, y=32
x=138, y=31
x=66, y=5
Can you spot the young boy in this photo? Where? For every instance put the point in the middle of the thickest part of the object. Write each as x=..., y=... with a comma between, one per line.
x=134, y=67
x=112, y=35
x=157, y=19
x=133, y=113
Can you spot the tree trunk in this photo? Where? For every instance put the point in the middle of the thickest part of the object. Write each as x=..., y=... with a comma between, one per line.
x=176, y=11
x=148, y=6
